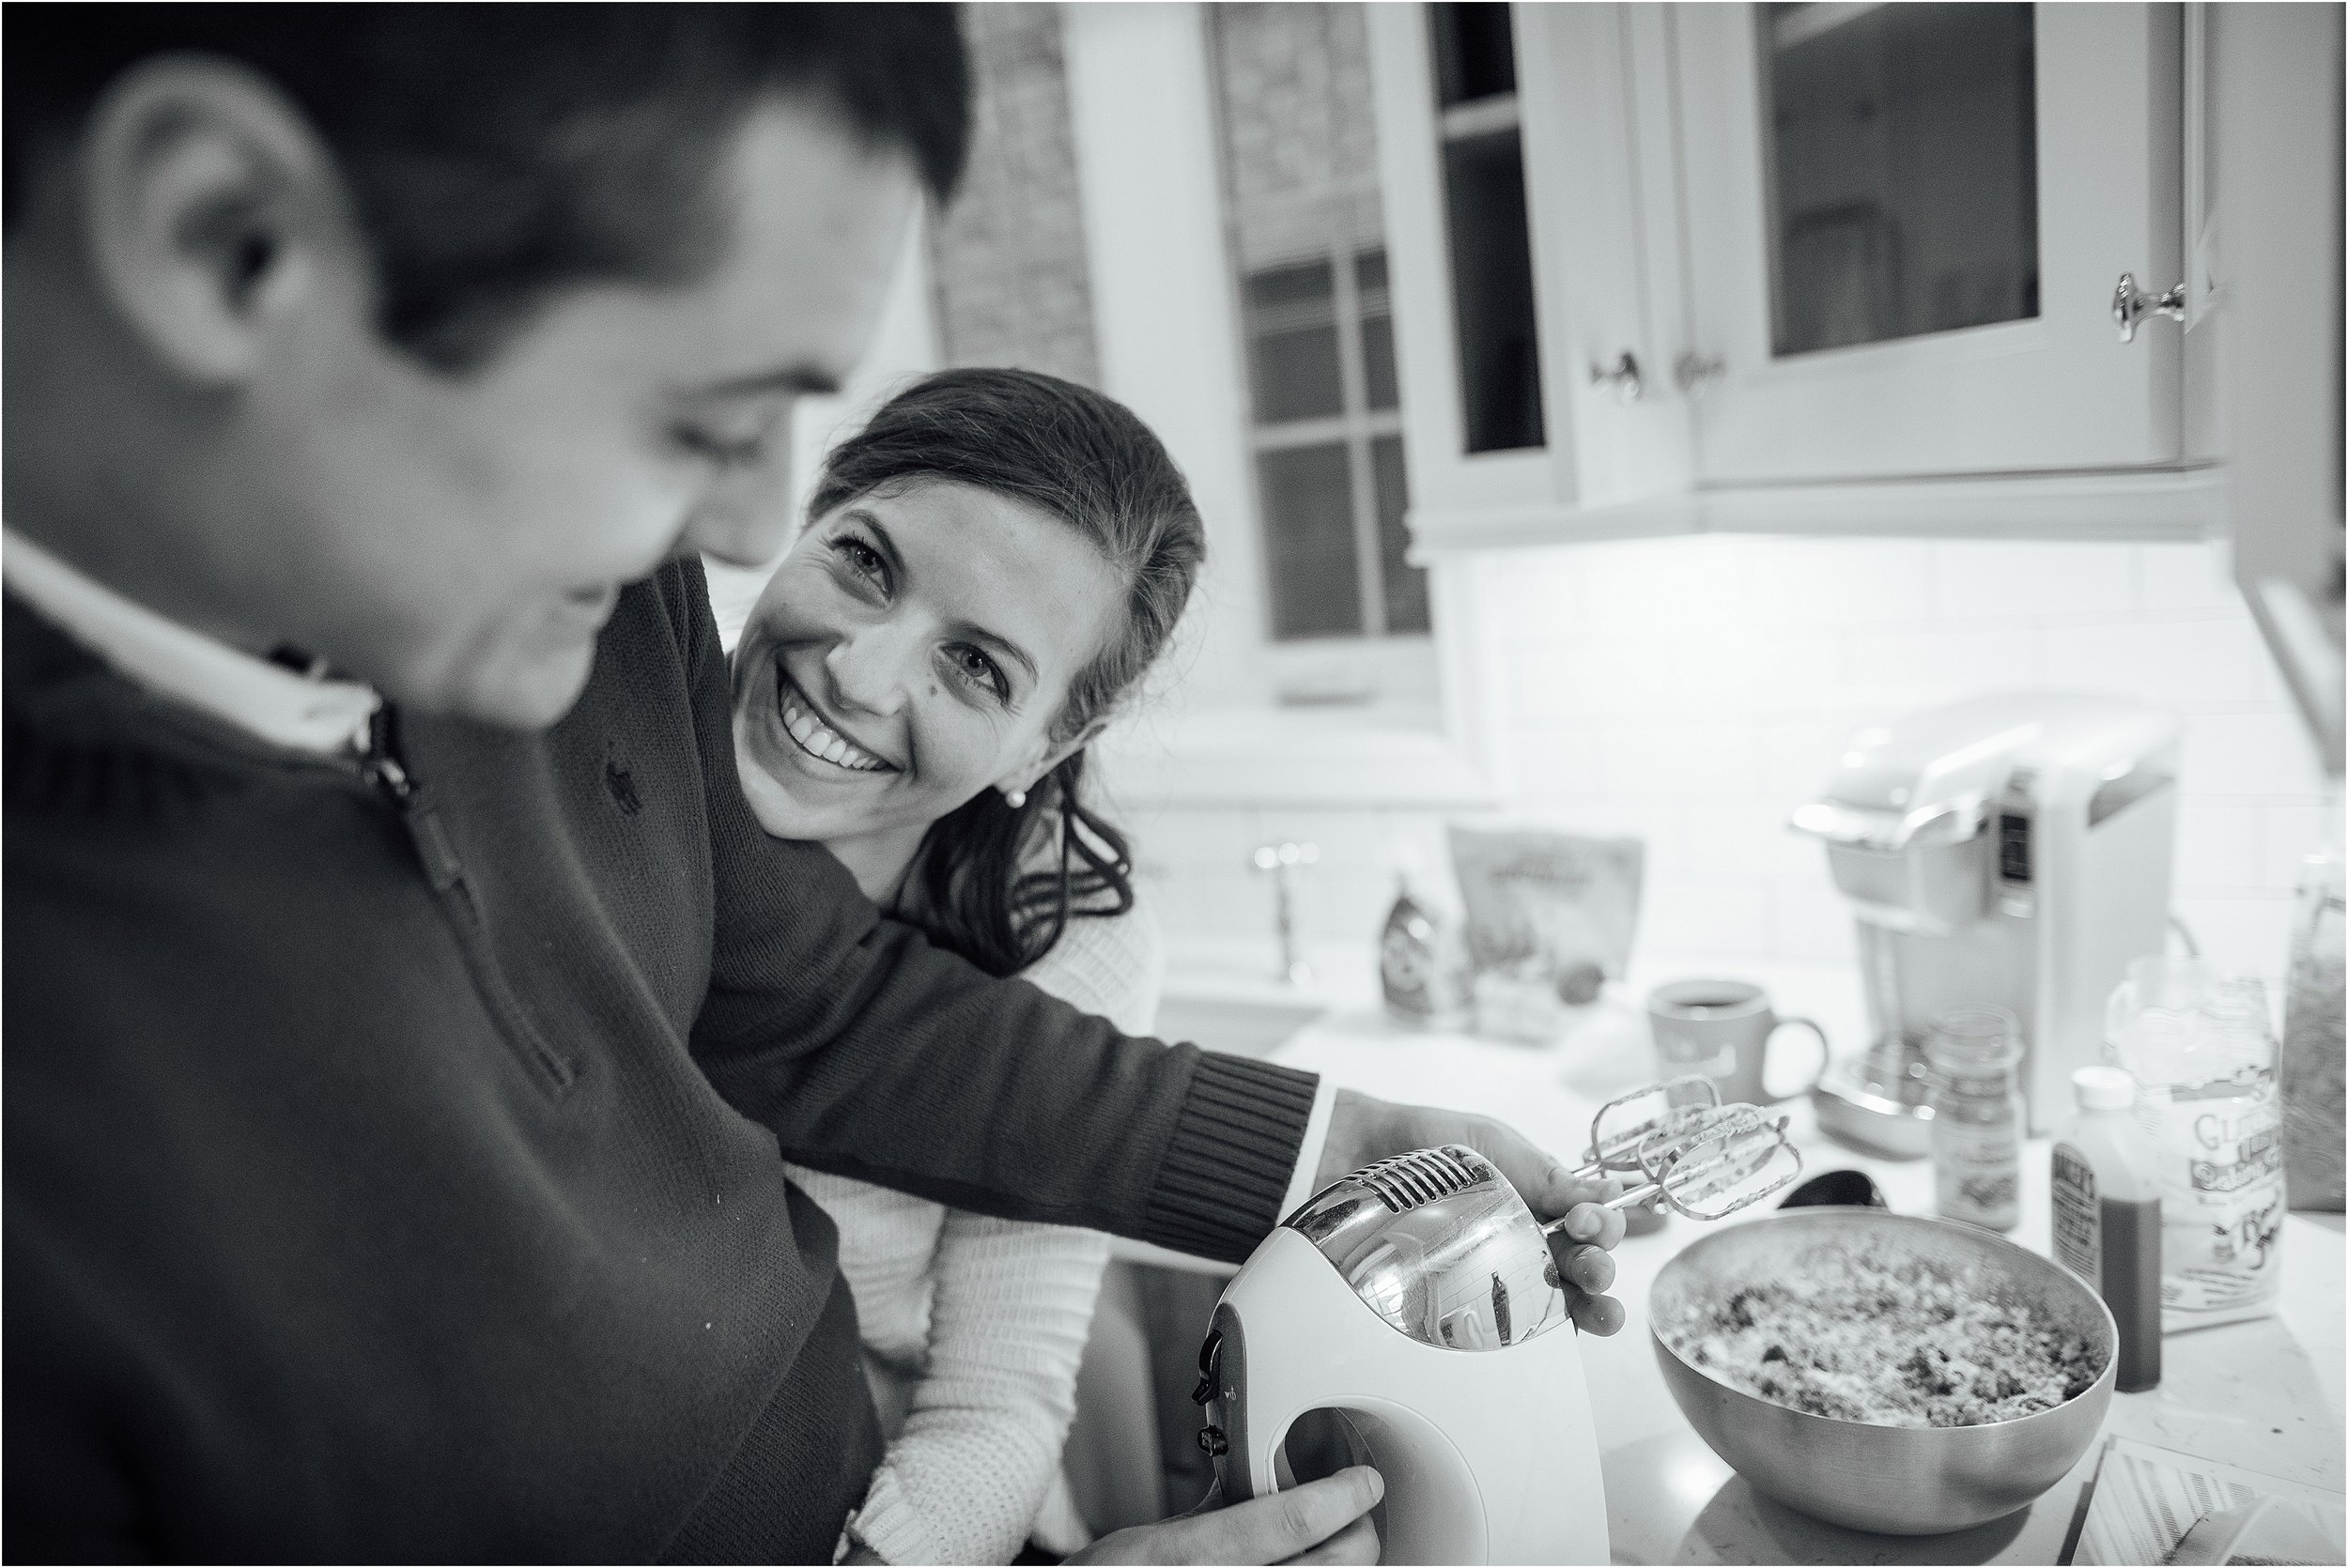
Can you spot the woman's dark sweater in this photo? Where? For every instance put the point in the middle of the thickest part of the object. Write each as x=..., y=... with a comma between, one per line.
x=398, y=1175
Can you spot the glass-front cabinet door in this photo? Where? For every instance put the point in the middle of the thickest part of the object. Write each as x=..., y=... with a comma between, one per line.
x=1905, y=226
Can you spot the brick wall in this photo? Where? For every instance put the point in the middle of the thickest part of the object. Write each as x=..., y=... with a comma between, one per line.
x=1008, y=260
x=1695, y=690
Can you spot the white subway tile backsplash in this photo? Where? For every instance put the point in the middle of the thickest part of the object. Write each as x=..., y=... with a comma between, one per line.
x=1716, y=917
x=1537, y=591
x=2250, y=933
x=1681, y=760
x=1812, y=921
x=2185, y=577
x=1736, y=839
x=1895, y=671
x=2288, y=834
x=1798, y=757
x=2173, y=664
x=2263, y=756
x=1691, y=691
x=2029, y=580
x=2218, y=847
x=1633, y=588
x=1584, y=678
x=1837, y=582
x=1556, y=762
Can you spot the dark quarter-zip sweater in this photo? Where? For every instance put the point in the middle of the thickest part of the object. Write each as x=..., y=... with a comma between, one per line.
x=393, y=1153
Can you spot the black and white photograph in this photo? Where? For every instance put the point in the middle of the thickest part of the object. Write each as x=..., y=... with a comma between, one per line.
x=1173, y=782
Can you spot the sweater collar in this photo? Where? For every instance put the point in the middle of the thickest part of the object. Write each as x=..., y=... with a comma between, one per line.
x=305, y=712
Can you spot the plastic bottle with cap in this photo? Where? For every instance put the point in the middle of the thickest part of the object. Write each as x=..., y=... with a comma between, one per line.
x=2106, y=1216
x=1422, y=962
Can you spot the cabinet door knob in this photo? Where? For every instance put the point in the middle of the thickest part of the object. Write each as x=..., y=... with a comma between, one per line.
x=2130, y=305
x=1623, y=379
x=1691, y=370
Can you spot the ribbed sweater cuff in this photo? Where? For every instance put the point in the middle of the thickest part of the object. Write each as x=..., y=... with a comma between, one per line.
x=1228, y=1165
x=891, y=1525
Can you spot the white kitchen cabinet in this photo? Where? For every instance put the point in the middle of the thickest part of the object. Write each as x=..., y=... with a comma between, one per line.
x=1905, y=228
x=1862, y=260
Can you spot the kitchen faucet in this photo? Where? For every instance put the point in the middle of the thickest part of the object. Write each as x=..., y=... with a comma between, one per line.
x=1282, y=860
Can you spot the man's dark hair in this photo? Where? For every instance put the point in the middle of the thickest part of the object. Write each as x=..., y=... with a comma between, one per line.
x=500, y=153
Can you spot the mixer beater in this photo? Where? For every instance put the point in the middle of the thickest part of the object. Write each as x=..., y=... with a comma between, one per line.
x=1704, y=1159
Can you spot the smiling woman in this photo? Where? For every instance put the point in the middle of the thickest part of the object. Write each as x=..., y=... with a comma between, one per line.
x=987, y=568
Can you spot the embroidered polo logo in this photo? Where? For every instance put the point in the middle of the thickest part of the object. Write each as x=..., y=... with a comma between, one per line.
x=623, y=787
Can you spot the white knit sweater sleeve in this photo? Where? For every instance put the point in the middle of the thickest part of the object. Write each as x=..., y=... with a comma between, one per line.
x=1012, y=1309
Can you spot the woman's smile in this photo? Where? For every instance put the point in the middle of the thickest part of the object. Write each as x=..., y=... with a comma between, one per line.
x=816, y=737
x=921, y=639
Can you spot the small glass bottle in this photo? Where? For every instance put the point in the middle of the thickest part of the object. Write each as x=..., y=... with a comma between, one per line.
x=1976, y=1116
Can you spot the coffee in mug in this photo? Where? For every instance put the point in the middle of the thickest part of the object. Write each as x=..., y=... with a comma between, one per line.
x=1722, y=1029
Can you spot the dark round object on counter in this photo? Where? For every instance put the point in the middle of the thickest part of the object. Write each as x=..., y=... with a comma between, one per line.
x=1838, y=1190
x=1579, y=986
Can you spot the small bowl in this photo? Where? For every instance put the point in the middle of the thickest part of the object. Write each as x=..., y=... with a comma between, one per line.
x=1836, y=1189
x=1894, y=1480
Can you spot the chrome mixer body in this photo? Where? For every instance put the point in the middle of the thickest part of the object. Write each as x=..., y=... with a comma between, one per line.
x=1419, y=1298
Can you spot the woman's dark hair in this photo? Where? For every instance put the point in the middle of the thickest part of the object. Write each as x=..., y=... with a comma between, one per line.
x=1086, y=460
x=496, y=154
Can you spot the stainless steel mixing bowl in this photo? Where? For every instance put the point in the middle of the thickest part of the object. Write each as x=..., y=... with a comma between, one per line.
x=1897, y=1479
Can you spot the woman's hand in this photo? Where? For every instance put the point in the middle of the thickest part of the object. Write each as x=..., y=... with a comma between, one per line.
x=1362, y=1129
x=1319, y=1521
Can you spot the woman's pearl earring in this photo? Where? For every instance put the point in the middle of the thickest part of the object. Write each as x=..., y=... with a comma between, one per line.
x=1014, y=799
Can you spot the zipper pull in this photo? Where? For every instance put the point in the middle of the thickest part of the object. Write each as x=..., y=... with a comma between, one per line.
x=384, y=772
x=376, y=764
x=441, y=868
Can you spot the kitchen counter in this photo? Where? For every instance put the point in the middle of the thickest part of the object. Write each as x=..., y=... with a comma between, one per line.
x=2266, y=1395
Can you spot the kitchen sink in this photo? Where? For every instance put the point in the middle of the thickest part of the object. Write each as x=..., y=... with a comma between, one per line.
x=1244, y=1026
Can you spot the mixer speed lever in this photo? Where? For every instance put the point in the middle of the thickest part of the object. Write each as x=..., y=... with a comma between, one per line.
x=1210, y=1368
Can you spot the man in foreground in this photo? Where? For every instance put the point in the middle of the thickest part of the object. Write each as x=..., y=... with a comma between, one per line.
x=403, y=1010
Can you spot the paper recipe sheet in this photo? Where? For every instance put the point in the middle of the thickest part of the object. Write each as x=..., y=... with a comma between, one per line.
x=2147, y=1500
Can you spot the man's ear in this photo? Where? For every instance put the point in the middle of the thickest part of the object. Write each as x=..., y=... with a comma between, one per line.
x=209, y=208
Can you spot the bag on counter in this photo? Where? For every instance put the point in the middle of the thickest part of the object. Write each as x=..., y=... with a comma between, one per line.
x=2315, y=1065
x=1549, y=919
x=2201, y=1046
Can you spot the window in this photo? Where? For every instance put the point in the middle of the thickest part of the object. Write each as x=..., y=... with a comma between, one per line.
x=1307, y=233
x=1492, y=249
x=1328, y=442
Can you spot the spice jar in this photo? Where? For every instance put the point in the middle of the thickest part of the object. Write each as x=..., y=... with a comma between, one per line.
x=1976, y=1115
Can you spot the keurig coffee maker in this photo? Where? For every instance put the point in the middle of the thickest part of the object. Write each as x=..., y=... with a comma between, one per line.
x=2010, y=850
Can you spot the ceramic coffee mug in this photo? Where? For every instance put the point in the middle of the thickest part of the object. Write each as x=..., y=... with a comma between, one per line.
x=1722, y=1029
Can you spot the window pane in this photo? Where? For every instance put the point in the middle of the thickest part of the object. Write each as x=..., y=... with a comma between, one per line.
x=1475, y=55
x=1491, y=277
x=1406, y=585
x=1292, y=343
x=1377, y=308
x=1904, y=149
x=1289, y=285
x=1378, y=362
x=1296, y=375
x=1308, y=542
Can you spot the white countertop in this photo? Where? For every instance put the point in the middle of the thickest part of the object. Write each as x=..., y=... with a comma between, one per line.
x=2266, y=1395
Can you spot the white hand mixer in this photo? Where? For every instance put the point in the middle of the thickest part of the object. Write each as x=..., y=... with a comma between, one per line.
x=1415, y=1296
